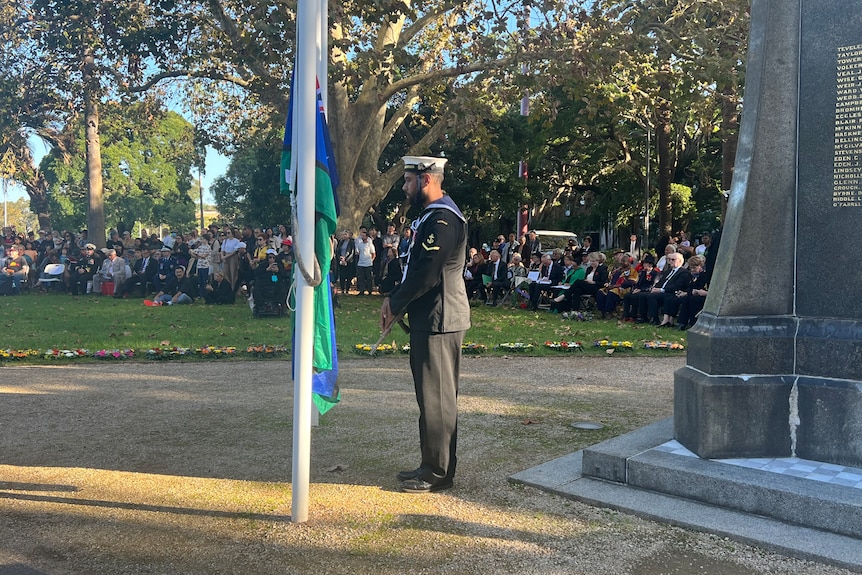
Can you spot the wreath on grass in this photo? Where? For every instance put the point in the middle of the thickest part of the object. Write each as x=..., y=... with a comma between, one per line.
x=564, y=345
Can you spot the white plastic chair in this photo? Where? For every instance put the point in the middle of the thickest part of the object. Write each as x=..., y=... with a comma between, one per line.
x=54, y=273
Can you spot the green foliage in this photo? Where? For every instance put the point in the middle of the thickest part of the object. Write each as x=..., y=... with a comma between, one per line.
x=249, y=190
x=18, y=214
x=147, y=155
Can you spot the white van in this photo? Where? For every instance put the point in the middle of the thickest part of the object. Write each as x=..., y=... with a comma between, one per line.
x=554, y=239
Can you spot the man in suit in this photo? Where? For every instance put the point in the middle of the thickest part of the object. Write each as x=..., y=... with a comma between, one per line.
x=531, y=246
x=509, y=248
x=498, y=272
x=433, y=295
x=673, y=278
x=550, y=274
x=633, y=247
x=142, y=273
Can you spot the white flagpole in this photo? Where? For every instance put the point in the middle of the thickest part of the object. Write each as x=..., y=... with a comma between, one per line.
x=305, y=94
x=323, y=61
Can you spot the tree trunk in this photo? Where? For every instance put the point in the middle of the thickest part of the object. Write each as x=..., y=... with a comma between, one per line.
x=665, y=166
x=95, y=201
x=37, y=189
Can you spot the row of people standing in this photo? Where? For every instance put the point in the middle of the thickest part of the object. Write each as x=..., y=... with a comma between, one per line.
x=373, y=260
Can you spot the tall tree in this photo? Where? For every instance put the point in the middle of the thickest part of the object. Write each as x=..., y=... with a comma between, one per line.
x=668, y=65
x=384, y=55
x=146, y=163
x=80, y=51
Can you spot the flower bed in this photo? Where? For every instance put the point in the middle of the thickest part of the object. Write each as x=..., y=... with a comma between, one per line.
x=564, y=345
x=515, y=346
x=661, y=344
x=155, y=353
x=114, y=354
x=614, y=344
x=365, y=348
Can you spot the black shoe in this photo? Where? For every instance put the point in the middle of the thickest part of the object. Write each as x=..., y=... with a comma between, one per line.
x=407, y=475
x=417, y=485
x=683, y=327
x=640, y=320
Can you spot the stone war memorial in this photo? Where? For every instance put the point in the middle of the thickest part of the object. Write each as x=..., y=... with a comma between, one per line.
x=775, y=360
x=765, y=442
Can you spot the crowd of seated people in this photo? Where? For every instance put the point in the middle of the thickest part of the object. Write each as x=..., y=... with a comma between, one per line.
x=214, y=265
x=667, y=293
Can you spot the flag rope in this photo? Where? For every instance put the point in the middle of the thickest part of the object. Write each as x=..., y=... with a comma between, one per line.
x=316, y=279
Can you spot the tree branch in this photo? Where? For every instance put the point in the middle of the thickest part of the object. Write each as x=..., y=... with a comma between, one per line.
x=397, y=119
x=388, y=178
x=455, y=71
x=208, y=74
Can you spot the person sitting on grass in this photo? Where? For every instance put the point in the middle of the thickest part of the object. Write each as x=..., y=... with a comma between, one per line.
x=14, y=272
x=219, y=291
x=180, y=289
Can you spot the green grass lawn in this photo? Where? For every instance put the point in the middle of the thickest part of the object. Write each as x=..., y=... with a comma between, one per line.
x=39, y=321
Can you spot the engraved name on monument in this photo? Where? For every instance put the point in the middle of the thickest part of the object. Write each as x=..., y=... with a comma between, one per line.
x=847, y=165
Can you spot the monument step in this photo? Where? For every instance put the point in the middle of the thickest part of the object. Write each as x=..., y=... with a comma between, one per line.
x=633, y=459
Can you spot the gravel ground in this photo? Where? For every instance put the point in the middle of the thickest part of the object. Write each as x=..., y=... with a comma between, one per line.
x=184, y=468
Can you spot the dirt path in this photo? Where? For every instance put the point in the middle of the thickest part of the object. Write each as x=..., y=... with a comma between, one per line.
x=184, y=468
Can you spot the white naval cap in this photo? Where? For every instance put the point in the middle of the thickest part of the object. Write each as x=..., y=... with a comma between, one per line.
x=424, y=164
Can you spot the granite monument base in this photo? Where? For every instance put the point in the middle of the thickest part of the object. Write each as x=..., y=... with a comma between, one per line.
x=801, y=394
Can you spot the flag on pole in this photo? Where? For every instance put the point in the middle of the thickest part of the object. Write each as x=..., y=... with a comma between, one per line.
x=324, y=387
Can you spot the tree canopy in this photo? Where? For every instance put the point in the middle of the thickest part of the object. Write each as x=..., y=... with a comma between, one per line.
x=434, y=77
x=147, y=160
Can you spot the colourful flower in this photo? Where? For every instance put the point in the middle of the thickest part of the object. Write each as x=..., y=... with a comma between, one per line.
x=515, y=346
x=564, y=345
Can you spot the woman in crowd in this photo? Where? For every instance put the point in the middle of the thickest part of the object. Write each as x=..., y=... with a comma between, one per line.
x=596, y=277
x=181, y=251
x=230, y=256
x=219, y=291
x=668, y=249
x=261, y=246
x=517, y=270
x=571, y=274
x=473, y=277
x=201, y=260
x=392, y=274
x=646, y=278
